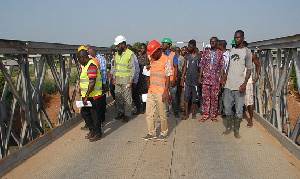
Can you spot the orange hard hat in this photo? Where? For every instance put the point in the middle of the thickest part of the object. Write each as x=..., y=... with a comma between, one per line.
x=152, y=47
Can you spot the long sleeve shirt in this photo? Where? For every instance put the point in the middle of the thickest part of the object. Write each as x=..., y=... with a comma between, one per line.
x=103, y=68
x=112, y=64
x=137, y=70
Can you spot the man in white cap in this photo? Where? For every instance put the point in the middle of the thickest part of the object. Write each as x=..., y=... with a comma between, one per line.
x=124, y=71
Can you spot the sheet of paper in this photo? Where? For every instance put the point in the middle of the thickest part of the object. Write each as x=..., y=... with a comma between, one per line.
x=146, y=72
x=144, y=97
x=79, y=104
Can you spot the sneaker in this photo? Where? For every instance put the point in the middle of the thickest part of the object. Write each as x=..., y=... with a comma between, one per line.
x=125, y=119
x=120, y=116
x=95, y=137
x=161, y=137
x=89, y=135
x=149, y=137
x=137, y=112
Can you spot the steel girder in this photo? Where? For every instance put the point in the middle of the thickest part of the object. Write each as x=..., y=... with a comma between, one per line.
x=277, y=57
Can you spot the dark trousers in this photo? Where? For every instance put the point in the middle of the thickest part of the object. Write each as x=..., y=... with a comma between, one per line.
x=93, y=116
x=112, y=89
x=136, y=97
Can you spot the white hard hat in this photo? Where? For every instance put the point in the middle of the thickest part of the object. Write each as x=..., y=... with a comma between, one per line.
x=119, y=39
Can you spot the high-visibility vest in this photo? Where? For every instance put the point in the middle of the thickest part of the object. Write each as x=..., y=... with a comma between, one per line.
x=171, y=56
x=84, y=81
x=158, y=76
x=122, y=64
x=97, y=61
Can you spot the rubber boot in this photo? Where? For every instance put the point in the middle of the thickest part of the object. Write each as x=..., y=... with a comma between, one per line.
x=237, y=123
x=228, y=125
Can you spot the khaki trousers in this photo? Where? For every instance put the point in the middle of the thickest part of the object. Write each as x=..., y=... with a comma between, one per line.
x=123, y=99
x=154, y=101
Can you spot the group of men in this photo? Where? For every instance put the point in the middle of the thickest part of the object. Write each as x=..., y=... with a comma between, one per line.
x=217, y=76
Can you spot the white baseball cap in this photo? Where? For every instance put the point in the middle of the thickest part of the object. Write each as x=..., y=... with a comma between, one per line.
x=119, y=39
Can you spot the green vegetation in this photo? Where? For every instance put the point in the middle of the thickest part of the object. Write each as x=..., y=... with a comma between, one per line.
x=294, y=79
x=46, y=126
x=49, y=86
x=73, y=78
x=9, y=96
x=2, y=82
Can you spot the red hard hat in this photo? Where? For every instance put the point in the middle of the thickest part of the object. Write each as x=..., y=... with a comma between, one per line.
x=152, y=47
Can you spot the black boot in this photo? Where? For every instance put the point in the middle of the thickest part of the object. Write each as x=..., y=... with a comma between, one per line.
x=137, y=112
x=228, y=125
x=237, y=123
x=120, y=116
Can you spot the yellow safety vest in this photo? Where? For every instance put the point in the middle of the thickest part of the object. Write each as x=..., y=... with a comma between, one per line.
x=84, y=81
x=122, y=64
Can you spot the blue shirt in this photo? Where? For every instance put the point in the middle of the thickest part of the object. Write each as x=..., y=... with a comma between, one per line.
x=175, y=61
x=103, y=67
x=137, y=70
x=112, y=68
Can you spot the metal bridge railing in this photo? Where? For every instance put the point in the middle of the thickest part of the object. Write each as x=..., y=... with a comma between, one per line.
x=277, y=57
x=27, y=96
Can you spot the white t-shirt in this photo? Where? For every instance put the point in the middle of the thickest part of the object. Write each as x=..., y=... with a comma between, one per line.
x=239, y=60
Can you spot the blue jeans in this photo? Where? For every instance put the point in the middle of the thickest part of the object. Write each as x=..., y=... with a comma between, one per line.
x=173, y=92
x=234, y=97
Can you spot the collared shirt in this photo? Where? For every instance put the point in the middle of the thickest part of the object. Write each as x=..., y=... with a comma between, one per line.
x=137, y=70
x=212, y=63
x=175, y=61
x=103, y=67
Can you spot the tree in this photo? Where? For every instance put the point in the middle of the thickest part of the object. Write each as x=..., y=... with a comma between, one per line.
x=137, y=45
x=113, y=46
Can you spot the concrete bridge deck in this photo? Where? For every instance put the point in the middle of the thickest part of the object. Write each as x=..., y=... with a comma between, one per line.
x=192, y=150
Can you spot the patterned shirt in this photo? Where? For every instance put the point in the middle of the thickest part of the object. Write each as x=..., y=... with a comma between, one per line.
x=103, y=67
x=180, y=63
x=175, y=61
x=212, y=63
x=144, y=60
x=226, y=59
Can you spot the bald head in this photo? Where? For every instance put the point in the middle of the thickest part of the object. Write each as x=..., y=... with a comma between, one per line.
x=83, y=57
x=91, y=51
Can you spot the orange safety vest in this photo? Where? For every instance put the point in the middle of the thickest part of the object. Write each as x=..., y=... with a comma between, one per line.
x=97, y=61
x=171, y=56
x=158, y=77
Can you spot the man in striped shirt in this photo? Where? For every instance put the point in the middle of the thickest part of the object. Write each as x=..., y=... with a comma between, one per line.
x=90, y=89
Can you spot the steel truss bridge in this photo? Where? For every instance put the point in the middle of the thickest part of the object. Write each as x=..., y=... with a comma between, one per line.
x=27, y=106
x=277, y=58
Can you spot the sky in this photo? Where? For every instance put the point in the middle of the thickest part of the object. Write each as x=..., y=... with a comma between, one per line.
x=98, y=22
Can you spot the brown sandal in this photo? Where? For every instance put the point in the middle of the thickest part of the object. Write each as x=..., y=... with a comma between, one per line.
x=184, y=117
x=193, y=116
x=249, y=125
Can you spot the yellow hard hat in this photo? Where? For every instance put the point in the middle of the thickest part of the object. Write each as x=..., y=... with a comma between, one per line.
x=81, y=48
